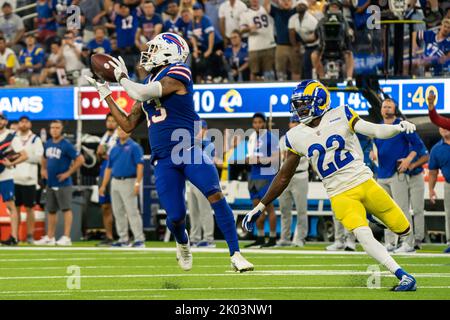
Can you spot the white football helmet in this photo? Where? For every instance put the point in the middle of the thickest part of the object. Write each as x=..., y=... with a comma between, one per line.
x=164, y=49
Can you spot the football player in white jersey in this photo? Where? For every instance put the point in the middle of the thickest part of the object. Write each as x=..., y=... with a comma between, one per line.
x=327, y=138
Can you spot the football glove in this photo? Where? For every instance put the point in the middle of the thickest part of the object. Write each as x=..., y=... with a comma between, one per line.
x=102, y=88
x=250, y=218
x=407, y=127
x=120, y=69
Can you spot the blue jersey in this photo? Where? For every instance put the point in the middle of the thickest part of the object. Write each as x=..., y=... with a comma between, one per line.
x=33, y=57
x=45, y=11
x=440, y=159
x=266, y=144
x=126, y=28
x=102, y=47
x=59, y=158
x=166, y=114
x=170, y=26
x=124, y=158
x=201, y=31
x=434, y=48
x=148, y=25
x=236, y=59
x=183, y=28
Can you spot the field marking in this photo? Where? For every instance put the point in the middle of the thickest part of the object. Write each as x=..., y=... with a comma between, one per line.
x=256, y=273
x=38, y=292
x=217, y=250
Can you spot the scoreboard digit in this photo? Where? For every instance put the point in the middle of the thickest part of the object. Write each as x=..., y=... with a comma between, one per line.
x=414, y=96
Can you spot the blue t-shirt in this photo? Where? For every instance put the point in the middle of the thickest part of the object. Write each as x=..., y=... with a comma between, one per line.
x=281, y=18
x=201, y=31
x=102, y=47
x=440, y=159
x=126, y=28
x=183, y=28
x=395, y=148
x=59, y=158
x=162, y=7
x=124, y=158
x=148, y=25
x=45, y=10
x=236, y=59
x=170, y=25
x=433, y=48
x=266, y=145
x=33, y=57
x=171, y=112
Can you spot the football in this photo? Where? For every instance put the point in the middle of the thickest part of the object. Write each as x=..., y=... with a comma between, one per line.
x=102, y=68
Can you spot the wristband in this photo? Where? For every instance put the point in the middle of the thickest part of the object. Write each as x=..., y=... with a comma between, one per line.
x=260, y=207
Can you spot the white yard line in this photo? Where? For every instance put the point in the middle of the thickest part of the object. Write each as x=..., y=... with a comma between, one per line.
x=216, y=250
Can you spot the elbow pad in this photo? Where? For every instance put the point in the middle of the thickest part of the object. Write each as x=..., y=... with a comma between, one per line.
x=142, y=92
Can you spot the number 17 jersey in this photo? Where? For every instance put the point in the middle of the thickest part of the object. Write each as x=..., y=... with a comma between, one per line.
x=333, y=150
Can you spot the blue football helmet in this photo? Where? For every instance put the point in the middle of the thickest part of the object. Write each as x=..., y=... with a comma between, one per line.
x=310, y=100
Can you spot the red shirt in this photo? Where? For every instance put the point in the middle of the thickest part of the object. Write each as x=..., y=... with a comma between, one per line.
x=438, y=120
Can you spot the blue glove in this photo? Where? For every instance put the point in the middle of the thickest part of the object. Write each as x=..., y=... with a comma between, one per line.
x=251, y=217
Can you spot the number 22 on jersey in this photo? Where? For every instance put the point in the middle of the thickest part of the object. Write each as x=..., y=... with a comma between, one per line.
x=340, y=160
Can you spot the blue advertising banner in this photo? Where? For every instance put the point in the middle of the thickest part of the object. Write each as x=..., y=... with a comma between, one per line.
x=38, y=103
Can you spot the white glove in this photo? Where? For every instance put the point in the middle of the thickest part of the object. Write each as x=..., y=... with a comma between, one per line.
x=407, y=127
x=120, y=69
x=102, y=88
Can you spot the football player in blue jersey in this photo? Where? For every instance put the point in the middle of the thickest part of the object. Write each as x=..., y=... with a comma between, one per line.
x=165, y=101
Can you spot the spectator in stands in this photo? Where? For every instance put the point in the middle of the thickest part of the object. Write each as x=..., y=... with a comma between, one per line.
x=440, y=159
x=100, y=44
x=200, y=212
x=161, y=7
x=183, y=25
x=32, y=60
x=296, y=192
x=304, y=25
x=12, y=27
x=59, y=162
x=108, y=140
x=211, y=8
x=45, y=21
x=150, y=24
x=126, y=168
x=9, y=64
x=206, y=42
x=187, y=4
x=236, y=56
x=400, y=170
x=287, y=60
x=336, y=39
x=230, y=13
x=436, y=48
x=438, y=120
x=172, y=16
x=263, y=156
x=26, y=173
x=434, y=16
x=61, y=10
x=55, y=66
x=13, y=126
x=71, y=52
x=261, y=41
x=10, y=156
x=92, y=14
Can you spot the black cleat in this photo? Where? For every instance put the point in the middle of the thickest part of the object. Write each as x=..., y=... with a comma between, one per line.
x=271, y=243
x=105, y=243
x=11, y=241
x=258, y=243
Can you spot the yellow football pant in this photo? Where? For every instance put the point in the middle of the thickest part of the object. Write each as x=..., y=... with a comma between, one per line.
x=350, y=207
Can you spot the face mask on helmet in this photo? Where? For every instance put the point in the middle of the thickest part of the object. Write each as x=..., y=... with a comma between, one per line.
x=145, y=57
x=303, y=108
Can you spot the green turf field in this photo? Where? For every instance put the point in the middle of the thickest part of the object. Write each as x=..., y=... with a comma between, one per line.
x=309, y=273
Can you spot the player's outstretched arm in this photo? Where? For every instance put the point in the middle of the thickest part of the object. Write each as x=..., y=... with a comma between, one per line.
x=382, y=131
x=128, y=122
x=278, y=185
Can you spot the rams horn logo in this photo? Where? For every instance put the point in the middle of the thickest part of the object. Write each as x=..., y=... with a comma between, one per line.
x=231, y=99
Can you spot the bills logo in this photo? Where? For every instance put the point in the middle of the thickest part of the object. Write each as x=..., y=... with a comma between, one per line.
x=172, y=39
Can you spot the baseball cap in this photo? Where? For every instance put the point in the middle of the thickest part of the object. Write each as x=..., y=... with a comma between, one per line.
x=197, y=6
x=298, y=2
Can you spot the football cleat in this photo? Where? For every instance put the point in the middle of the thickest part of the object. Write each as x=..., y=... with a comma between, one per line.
x=184, y=255
x=447, y=250
x=405, y=248
x=407, y=283
x=240, y=264
x=336, y=246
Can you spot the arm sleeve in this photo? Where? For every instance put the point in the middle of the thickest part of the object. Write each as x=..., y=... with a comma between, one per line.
x=380, y=131
x=438, y=120
x=142, y=92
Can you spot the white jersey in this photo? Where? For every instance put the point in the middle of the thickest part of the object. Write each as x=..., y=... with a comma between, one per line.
x=263, y=38
x=232, y=15
x=333, y=150
x=302, y=168
x=16, y=146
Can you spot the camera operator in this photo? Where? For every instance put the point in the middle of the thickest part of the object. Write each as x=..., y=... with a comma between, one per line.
x=336, y=39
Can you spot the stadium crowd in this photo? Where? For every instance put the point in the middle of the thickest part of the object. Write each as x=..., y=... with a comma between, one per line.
x=230, y=40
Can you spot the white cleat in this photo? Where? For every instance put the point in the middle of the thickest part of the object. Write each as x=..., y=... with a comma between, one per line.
x=184, y=256
x=45, y=241
x=405, y=248
x=336, y=246
x=64, y=241
x=389, y=247
x=240, y=264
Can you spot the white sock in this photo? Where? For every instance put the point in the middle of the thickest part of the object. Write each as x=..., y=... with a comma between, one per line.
x=261, y=233
x=375, y=249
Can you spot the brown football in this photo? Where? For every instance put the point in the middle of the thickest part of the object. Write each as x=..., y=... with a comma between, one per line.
x=101, y=67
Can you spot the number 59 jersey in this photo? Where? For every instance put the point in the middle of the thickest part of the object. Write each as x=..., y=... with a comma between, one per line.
x=332, y=149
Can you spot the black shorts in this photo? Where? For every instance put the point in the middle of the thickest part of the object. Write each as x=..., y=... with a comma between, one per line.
x=25, y=195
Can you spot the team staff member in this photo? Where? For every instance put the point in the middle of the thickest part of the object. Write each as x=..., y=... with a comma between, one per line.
x=9, y=144
x=126, y=167
x=26, y=173
x=438, y=120
x=263, y=157
x=440, y=159
x=297, y=192
x=106, y=143
x=59, y=162
x=400, y=160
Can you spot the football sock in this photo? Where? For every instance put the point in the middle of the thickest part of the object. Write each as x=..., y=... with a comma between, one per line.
x=226, y=223
x=261, y=233
x=178, y=230
x=375, y=249
x=272, y=234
